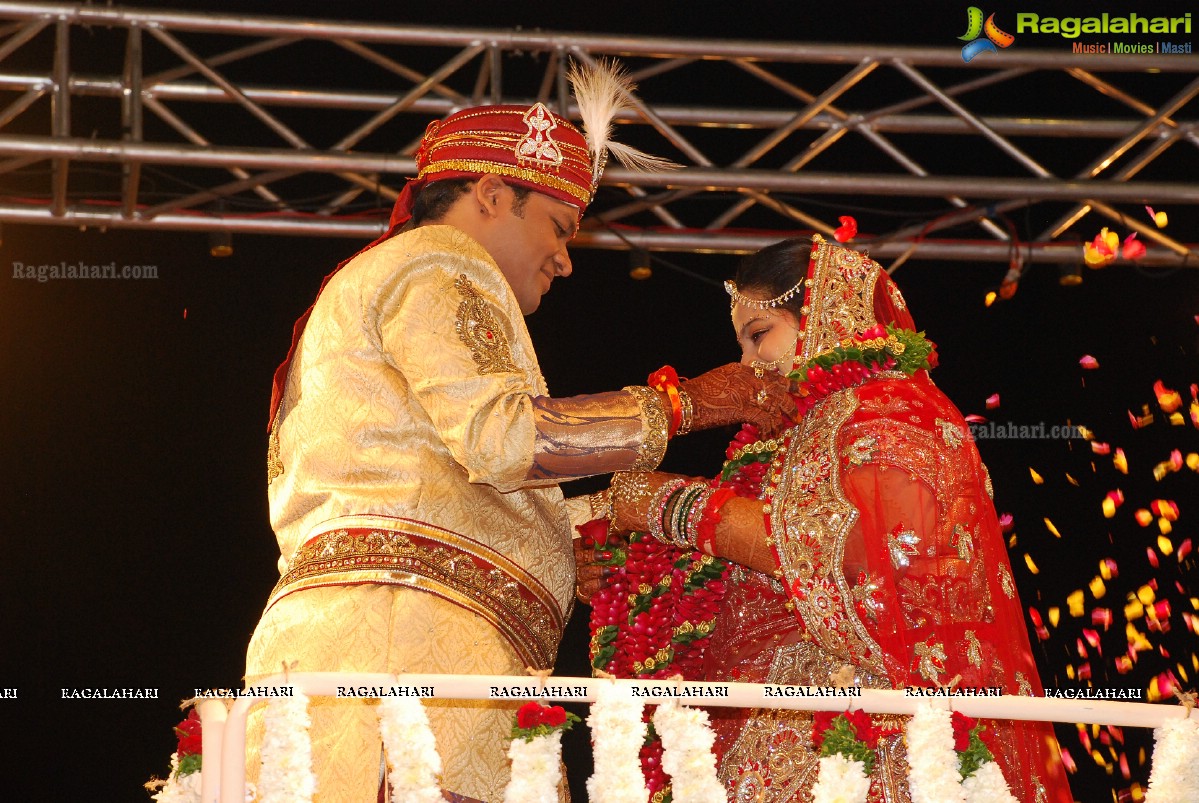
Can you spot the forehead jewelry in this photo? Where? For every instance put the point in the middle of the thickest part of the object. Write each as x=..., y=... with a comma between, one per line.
x=737, y=297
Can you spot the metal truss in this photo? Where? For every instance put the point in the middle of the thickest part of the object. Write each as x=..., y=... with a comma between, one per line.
x=123, y=118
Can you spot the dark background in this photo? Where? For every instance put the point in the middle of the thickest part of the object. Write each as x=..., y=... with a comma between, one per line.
x=133, y=415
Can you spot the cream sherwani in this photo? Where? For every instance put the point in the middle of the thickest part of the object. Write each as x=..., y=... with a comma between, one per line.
x=407, y=415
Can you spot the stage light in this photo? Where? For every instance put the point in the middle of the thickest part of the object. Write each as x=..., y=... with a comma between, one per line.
x=220, y=243
x=639, y=267
x=1069, y=275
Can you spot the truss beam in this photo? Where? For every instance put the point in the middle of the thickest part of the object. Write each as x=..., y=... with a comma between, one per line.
x=190, y=106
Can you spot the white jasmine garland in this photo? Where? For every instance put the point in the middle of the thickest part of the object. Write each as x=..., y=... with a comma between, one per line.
x=687, y=757
x=840, y=780
x=287, y=751
x=934, y=774
x=536, y=769
x=412, y=759
x=178, y=788
x=987, y=785
x=617, y=733
x=1175, y=772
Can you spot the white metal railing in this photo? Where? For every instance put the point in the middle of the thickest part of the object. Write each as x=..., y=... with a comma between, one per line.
x=224, y=730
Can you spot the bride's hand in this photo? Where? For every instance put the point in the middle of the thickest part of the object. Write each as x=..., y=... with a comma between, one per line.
x=734, y=394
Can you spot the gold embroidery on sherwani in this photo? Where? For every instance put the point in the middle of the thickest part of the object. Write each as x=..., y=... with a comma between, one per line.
x=811, y=527
x=274, y=465
x=479, y=328
x=431, y=559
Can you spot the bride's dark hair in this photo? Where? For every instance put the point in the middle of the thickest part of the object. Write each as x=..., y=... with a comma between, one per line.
x=774, y=270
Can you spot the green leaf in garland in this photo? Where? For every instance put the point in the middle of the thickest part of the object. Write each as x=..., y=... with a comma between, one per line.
x=974, y=756
x=189, y=764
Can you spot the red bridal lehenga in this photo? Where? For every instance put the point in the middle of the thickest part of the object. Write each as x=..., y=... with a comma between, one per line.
x=891, y=564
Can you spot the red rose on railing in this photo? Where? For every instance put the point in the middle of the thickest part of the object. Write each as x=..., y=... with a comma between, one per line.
x=537, y=719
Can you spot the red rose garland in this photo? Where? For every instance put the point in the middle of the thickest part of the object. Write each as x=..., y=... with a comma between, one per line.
x=655, y=615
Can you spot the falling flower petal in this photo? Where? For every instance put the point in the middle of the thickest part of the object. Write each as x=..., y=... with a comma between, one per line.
x=1101, y=251
x=1166, y=508
x=975, y=419
x=1068, y=761
x=1184, y=549
x=1143, y=517
x=1036, y=478
x=1032, y=567
x=1160, y=219
x=1100, y=448
x=1088, y=362
x=1108, y=569
x=847, y=231
x=1098, y=589
x=1005, y=522
x=1133, y=248
x=1052, y=529
x=1102, y=616
x=992, y=401
x=1120, y=461
x=1076, y=602
x=1055, y=615
x=1168, y=400
x=990, y=297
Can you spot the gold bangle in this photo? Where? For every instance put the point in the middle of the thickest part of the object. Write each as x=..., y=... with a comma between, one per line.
x=655, y=428
x=688, y=416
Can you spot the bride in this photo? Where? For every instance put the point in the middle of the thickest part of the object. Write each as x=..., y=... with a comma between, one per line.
x=861, y=545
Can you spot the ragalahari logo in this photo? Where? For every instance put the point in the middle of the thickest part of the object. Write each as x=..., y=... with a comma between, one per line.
x=975, y=27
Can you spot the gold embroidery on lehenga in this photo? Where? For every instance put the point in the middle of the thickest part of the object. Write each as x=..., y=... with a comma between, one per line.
x=974, y=649
x=861, y=451
x=885, y=405
x=480, y=330
x=932, y=660
x=777, y=743
x=963, y=542
x=903, y=544
x=1006, y=582
x=811, y=526
x=951, y=433
x=1023, y=687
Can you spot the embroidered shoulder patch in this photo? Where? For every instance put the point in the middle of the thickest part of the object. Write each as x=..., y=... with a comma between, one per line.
x=274, y=465
x=479, y=329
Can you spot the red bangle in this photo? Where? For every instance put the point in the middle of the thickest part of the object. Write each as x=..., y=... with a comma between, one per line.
x=705, y=531
x=666, y=380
